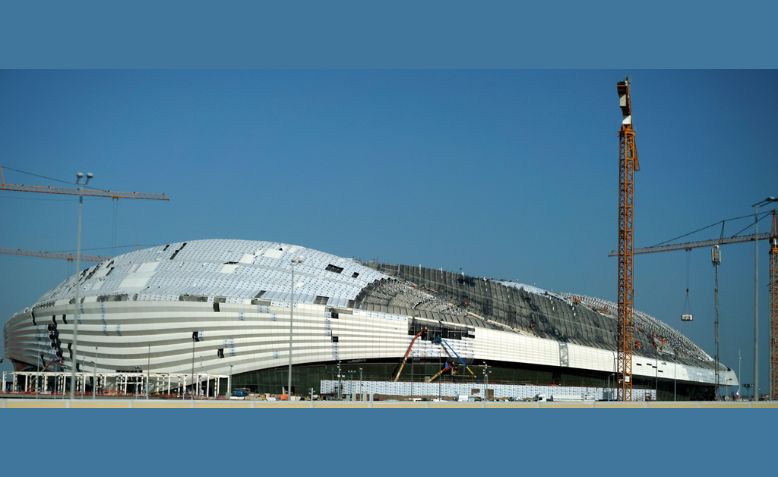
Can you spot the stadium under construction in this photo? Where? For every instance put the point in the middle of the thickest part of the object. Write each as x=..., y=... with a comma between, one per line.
x=229, y=314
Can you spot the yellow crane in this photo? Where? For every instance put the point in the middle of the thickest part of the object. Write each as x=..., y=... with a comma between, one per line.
x=628, y=165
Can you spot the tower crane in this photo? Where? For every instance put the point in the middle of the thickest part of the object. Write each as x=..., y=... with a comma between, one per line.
x=81, y=191
x=772, y=236
x=774, y=309
x=628, y=165
x=52, y=255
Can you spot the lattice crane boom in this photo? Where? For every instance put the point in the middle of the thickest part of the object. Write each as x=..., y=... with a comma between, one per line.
x=85, y=192
x=697, y=244
x=628, y=165
x=774, y=309
x=70, y=257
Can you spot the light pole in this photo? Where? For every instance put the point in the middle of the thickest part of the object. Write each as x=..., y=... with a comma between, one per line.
x=294, y=262
x=195, y=339
x=486, y=381
x=340, y=385
x=756, y=206
x=229, y=384
x=739, y=377
x=148, y=371
x=37, y=375
x=74, y=354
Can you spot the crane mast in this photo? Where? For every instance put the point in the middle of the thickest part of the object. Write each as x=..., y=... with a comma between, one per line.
x=628, y=165
x=774, y=309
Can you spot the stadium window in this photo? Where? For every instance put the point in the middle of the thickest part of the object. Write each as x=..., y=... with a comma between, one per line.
x=334, y=268
x=220, y=353
x=260, y=293
x=216, y=306
x=355, y=275
x=334, y=339
x=321, y=300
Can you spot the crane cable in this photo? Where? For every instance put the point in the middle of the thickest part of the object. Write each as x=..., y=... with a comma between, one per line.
x=115, y=221
x=687, y=306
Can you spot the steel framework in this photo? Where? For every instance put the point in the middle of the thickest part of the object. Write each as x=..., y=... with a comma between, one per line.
x=628, y=165
x=774, y=310
x=53, y=255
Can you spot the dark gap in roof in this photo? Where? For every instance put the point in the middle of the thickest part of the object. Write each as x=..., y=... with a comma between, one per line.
x=187, y=297
x=334, y=268
x=177, y=250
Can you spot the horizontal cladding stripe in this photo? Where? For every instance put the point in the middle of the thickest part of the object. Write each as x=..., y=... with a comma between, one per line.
x=152, y=318
x=245, y=348
x=155, y=316
x=87, y=344
x=208, y=328
x=258, y=357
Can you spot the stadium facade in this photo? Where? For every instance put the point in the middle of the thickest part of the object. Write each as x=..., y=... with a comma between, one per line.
x=142, y=311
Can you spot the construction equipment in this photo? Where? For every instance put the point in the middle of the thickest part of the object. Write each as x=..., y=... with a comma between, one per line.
x=774, y=309
x=53, y=255
x=448, y=367
x=628, y=165
x=716, y=260
x=85, y=192
x=451, y=351
x=418, y=335
x=686, y=314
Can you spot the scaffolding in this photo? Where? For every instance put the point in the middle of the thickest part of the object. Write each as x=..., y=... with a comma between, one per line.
x=115, y=384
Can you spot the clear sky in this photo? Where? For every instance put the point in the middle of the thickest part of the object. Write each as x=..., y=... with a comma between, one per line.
x=508, y=174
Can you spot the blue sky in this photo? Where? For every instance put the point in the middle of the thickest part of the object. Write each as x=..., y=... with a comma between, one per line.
x=509, y=174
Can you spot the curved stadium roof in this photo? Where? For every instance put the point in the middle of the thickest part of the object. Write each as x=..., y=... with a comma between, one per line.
x=242, y=271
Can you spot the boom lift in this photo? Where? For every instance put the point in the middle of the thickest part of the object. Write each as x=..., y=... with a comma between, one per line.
x=451, y=351
x=448, y=367
x=418, y=335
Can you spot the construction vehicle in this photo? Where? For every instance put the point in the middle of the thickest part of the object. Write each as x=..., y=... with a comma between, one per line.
x=449, y=367
x=451, y=352
x=420, y=334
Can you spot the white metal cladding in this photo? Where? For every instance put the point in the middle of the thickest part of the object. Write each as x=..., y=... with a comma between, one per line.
x=125, y=336
x=237, y=270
